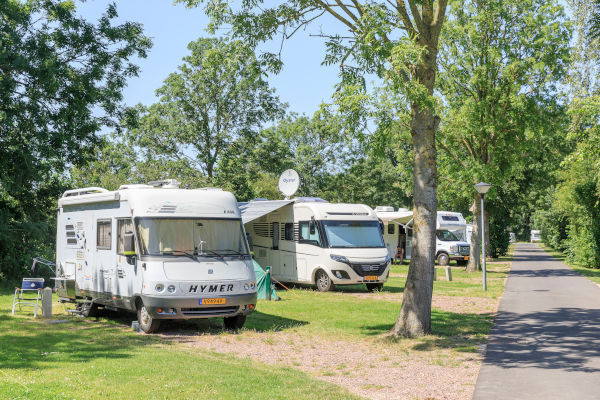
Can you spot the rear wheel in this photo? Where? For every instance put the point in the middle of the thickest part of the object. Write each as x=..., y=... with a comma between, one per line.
x=234, y=323
x=147, y=323
x=372, y=287
x=323, y=281
x=443, y=259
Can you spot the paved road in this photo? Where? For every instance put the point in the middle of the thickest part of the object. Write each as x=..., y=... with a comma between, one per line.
x=546, y=340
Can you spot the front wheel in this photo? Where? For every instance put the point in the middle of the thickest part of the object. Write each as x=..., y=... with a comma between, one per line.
x=443, y=259
x=323, y=281
x=147, y=323
x=234, y=323
x=373, y=287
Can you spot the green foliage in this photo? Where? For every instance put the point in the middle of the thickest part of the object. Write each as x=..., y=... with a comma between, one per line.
x=218, y=96
x=500, y=67
x=60, y=81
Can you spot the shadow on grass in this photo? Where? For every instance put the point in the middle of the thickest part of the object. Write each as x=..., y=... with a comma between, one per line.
x=461, y=332
x=32, y=343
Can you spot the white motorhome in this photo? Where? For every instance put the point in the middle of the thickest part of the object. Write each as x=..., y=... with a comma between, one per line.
x=312, y=241
x=451, y=231
x=164, y=252
x=535, y=236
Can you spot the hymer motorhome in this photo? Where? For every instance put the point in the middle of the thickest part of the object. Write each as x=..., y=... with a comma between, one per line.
x=451, y=232
x=164, y=252
x=312, y=241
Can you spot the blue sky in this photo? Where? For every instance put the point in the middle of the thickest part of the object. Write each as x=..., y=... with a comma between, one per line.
x=303, y=83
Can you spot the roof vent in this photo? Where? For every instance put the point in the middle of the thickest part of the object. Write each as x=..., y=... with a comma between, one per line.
x=402, y=209
x=309, y=200
x=84, y=191
x=166, y=184
x=384, y=209
x=135, y=186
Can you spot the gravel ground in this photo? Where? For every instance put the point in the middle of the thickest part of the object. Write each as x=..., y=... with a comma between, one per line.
x=373, y=368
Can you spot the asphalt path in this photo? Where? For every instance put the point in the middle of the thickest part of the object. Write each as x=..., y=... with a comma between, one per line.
x=545, y=343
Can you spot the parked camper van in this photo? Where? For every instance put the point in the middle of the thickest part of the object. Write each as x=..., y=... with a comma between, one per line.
x=164, y=252
x=309, y=240
x=451, y=231
x=535, y=236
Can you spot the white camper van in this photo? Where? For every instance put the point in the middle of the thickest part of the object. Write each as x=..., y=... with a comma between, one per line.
x=309, y=240
x=164, y=252
x=451, y=231
x=535, y=236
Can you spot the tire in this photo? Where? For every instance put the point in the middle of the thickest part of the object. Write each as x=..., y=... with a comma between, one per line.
x=323, y=281
x=87, y=310
x=234, y=323
x=443, y=259
x=372, y=287
x=147, y=323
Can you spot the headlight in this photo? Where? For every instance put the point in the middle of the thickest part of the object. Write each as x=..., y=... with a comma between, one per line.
x=171, y=288
x=341, y=259
x=159, y=287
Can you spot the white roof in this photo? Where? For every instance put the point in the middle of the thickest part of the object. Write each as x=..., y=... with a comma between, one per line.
x=450, y=220
x=163, y=202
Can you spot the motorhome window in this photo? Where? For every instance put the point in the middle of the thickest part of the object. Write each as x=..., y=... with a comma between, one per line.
x=391, y=228
x=191, y=237
x=123, y=225
x=289, y=231
x=450, y=218
x=353, y=234
x=460, y=234
x=103, y=234
x=306, y=236
x=446, y=236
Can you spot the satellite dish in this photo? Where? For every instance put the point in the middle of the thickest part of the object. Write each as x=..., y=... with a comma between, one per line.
x=289, y=181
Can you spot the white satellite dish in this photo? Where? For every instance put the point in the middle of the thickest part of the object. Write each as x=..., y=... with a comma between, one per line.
x=289, y=181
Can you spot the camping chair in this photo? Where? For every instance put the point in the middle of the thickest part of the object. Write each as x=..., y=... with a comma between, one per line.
x=29, y=287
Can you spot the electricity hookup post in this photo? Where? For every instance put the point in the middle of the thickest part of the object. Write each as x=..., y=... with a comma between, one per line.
x=268, y=272
x=482, y=189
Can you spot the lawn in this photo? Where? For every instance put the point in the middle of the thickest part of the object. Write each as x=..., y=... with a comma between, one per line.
x=103, y=358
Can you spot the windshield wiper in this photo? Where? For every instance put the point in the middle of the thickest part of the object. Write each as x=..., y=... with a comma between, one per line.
x=212, y=253
x=172, y=253
x=237, y=253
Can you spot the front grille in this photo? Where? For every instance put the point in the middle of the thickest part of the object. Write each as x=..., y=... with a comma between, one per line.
x=369, y=269
x=464, y=250
x=210, y=310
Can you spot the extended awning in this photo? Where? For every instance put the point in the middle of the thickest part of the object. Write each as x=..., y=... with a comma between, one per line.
x=257, y=208
x=398, y=217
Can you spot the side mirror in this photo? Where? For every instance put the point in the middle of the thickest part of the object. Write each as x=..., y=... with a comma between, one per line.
x=311, y=227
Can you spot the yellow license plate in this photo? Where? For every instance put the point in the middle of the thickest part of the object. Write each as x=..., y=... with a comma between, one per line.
x=218, y=300
x=371, y=278
x=466, y=258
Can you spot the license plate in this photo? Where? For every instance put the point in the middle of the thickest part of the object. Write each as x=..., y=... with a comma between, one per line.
x=217, y=300
x=371, y=278
x=466, y=258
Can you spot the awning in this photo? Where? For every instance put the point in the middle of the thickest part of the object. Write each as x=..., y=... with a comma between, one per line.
x=257, y=208
x=398, y=217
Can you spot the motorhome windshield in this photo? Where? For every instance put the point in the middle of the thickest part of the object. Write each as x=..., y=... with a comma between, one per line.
x=461, y=234
x=446, y=236
x=191, y=237
x=353, y=234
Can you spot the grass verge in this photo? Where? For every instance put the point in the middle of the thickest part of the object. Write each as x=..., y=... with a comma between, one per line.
x=592, y=274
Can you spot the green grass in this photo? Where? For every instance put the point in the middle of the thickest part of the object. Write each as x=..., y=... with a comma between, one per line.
x=592, y=274
x=102, y=358
x=98, y=360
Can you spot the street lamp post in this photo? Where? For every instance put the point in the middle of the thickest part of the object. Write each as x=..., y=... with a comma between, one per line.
x=482, y=189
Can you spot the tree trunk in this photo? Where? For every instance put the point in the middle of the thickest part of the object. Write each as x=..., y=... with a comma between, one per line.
x=474, y=257
x=415, y=314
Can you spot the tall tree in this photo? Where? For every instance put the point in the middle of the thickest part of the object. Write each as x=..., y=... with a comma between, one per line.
x=396, y=41
x=500, y=67
x=61, y=79
x=218, y=95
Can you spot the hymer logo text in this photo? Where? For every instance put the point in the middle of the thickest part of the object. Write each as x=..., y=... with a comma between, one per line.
x=211, y=288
